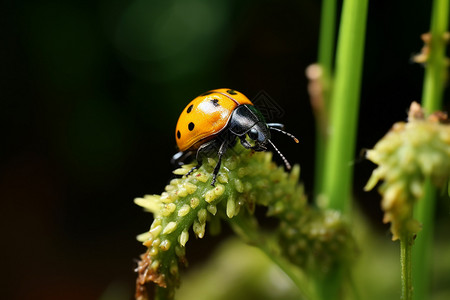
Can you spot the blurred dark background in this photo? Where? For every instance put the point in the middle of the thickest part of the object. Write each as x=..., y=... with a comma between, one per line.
x=90, y=94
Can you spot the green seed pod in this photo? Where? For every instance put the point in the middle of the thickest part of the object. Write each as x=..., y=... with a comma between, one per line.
x=184, y=237
x=170, y=227
x=184, y=210
x=407, y=155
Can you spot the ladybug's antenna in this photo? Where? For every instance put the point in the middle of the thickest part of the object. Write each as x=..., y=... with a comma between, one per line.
x=286, y=133
x=286, y=163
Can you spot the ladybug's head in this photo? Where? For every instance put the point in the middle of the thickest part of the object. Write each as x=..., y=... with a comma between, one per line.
x=247, y=120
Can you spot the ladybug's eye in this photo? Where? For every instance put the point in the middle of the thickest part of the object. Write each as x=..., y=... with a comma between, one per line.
x=253, y=134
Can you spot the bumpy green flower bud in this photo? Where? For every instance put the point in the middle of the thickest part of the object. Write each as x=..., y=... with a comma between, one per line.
x=246, y=179
x=407, y=155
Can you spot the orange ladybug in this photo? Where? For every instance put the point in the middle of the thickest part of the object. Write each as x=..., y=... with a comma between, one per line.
x=214, y=120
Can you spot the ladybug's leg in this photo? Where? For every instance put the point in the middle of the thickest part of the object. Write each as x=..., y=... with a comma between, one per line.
x=223, y=148
x=199, y=156
x=199, y=164
x=245, y=143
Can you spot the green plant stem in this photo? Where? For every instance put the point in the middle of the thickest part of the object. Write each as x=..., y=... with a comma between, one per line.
x=340, y=150
x=325, y=61
x=433, y=90
x=330, y=286
x=406, y=242
x=243, y=228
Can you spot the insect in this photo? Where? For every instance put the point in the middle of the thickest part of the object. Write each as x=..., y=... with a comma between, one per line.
x=214, y=120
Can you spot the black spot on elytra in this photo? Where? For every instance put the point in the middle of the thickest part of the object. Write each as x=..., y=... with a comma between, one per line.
x=232, y=92
x=207, y=93
x=178, y=134
x=190, y=108
x=215, y=102
x=191, y=126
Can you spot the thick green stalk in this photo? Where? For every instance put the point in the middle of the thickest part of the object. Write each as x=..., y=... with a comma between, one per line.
x=423, y=244
x=325, y=61
x=327, y=35
x=345, y=105
x=433, y=91
x=435, y=71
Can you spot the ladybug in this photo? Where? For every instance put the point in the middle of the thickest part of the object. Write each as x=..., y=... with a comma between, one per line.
x=214, y=120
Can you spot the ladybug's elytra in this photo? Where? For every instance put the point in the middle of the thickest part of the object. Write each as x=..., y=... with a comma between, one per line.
x=214, y=120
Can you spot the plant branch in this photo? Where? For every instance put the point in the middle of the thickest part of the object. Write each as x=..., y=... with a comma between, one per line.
x=243, y=228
